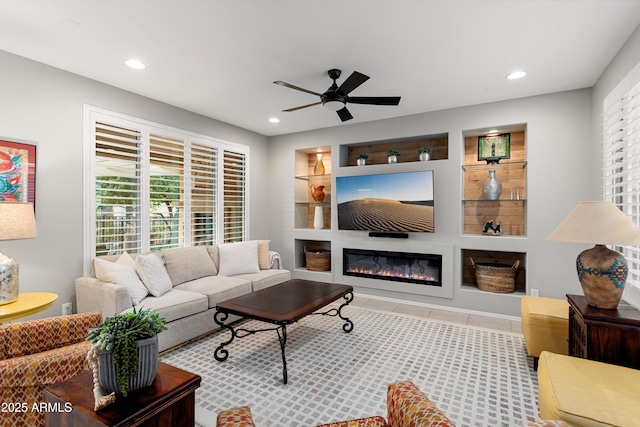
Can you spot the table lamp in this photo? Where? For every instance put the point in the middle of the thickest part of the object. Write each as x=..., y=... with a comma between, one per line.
x=601, y=271
x=17, y=221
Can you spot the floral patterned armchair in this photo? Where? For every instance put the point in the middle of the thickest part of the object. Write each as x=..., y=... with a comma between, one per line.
x=37, y=353
x=407, y=406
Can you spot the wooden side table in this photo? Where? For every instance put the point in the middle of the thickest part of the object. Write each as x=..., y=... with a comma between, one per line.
x=611, y=336
x=169, y=401
x=28, y=303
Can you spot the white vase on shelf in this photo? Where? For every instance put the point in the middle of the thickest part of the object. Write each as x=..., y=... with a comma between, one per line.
x=318, y=218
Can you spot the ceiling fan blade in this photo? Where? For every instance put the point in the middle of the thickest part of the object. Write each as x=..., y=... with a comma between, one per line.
x=344, y=114
x=302, y=106
x=352, y=82
x=374, y=100
x=296, y=87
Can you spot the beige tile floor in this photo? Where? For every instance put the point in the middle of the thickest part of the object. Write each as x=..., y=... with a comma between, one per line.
x=440, y=314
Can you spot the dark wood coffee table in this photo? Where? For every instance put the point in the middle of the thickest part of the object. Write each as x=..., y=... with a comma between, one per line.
x=282, y=305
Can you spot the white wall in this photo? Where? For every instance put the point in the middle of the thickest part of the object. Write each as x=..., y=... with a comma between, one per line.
x=557, y=140
x=45, y=105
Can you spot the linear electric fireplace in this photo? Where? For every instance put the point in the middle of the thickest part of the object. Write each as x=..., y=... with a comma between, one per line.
x=424, y=269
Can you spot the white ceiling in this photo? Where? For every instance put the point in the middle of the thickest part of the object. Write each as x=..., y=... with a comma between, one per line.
x=220, y=58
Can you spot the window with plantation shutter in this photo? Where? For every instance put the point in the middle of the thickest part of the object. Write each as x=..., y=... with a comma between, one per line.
x=621, y=166
x=157, y=188
x=235, y=211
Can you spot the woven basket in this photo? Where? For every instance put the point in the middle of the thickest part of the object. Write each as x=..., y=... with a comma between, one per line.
x=497, y=278
x=318, y=259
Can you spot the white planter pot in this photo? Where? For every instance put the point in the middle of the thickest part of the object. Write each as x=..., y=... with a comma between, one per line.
x=392, y=159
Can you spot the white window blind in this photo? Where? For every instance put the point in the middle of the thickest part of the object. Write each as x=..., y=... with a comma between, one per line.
x=235, y=212
x=621, y=165
x=159, y=188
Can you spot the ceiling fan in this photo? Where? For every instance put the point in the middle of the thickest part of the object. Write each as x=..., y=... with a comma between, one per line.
x=336, y=98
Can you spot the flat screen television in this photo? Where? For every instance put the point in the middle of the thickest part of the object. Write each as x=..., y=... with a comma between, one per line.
x=390, y=202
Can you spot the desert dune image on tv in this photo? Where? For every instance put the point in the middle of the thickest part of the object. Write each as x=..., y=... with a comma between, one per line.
x=397, y=202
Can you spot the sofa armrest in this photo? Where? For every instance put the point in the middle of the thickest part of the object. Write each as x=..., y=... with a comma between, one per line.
x=107, y=298
x=407, y=406
x=35, y=336
x=236, y=417
x=46, y=368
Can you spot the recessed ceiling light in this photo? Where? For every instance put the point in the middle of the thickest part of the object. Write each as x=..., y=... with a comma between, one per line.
x=516, y=75
x=274, y=120
x=135, y=64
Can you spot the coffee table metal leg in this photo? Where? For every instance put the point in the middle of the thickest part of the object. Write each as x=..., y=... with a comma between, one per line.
x=348, y=326
x=282, y=337
x=221, y=354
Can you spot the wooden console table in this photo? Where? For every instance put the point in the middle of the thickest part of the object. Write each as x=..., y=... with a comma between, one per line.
x=169, y=401
x=611, y=336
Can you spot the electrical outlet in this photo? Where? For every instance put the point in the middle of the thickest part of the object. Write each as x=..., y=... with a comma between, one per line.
x=535, y=292
x=67, y=309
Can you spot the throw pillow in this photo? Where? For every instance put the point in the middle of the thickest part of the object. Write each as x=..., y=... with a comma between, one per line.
x=185, y=264
x=153, y=274
x=238, y=258
x=122, y=272
x=263, y=254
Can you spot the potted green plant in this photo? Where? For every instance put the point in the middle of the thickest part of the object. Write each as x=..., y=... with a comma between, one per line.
x=361, y=159
x=424, y=153
x=392, y=155
x=128, y=349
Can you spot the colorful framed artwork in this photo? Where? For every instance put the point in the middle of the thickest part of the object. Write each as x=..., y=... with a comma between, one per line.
x=17, y=171
x=493, y=148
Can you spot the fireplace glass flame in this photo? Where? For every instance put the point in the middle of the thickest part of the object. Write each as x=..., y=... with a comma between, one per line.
x=408, y=267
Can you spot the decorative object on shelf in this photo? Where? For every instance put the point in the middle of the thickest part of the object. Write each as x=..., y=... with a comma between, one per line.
x=392, y=155
x=492, y=188
x=127, y=351
x=318, y=218
x=496, y=278
x=17, y=221
x=317, y=259
x=317, y=192
x=492, y=228
x=361, y=159
x=424, y=153
x=493, y=148
x=318, y=169
x=601, y=271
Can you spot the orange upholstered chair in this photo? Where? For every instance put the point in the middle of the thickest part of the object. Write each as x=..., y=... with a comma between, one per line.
x=407, y=406
x=37, y=353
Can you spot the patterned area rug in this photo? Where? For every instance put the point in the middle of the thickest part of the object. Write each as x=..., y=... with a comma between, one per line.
x=477, y=376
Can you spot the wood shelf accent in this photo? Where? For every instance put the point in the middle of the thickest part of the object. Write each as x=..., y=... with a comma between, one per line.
x=304, y=203
x=495, y=257
x=407, y=147
x=510, y=212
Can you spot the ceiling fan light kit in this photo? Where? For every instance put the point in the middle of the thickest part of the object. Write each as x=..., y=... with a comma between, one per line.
x=337, y=97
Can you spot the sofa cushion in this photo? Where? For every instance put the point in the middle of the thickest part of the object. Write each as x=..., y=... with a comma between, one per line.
x=265, y=278
x=153, y=274
x=238, y=258
x=217, y=288
x=122, y=272
x=175, y=304
x=263, y=254
x=186, y=264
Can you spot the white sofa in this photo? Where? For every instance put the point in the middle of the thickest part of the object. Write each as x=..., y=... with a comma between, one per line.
x=182, y=285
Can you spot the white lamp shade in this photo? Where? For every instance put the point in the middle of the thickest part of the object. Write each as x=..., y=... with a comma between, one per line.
x=597, y=222
x=17, y=221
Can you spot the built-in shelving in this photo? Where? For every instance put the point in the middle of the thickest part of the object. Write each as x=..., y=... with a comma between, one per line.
x=312, y=217
x=510, y=208
x=408, y=148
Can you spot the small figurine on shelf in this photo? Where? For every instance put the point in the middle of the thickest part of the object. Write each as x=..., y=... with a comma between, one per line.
x=361, y=159
x=424, y=153
x=392, y=155
x=492, y=228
